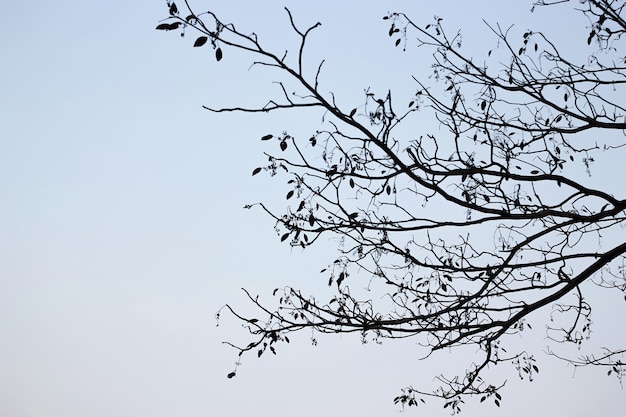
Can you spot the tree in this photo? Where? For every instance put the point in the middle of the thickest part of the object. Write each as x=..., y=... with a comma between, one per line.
x=468, y=231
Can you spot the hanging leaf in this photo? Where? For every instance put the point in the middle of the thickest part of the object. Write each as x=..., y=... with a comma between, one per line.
x=200, y=41
x=284, y=237
x=168, y=26
x=218, y=54
x=283, y=145
x=311, y=220
x=289, y=194
x=267, y=137
x=301, y=206
x=351, y=183
x=256, y=171
x=341, y=278
x=398, y=41
x=230, y=375
x=313, y=141
x=173, y=9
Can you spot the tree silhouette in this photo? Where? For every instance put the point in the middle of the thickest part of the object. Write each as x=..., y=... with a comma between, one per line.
x=461, y=234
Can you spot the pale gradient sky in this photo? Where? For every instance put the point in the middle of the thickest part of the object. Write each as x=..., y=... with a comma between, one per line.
x=122, y=230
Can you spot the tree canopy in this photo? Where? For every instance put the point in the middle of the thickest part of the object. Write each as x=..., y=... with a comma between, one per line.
x=460, y=234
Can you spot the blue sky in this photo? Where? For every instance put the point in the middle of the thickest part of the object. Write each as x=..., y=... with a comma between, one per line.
x=122, y=230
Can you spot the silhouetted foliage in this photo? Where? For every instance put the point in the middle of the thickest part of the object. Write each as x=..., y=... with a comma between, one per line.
x=466, y=231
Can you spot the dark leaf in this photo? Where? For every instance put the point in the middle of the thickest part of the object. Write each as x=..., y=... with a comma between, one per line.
x=534, y=171
x=168, y=26
x=283, y=145
x=284, y=237
x=301, y=206
x=256, y=170
x=311, y=220
x=354, y=215
x=218, y=54
x=289, y=194
x=259, y=353
x=200, y=41
x=173, y=9
x=558, y=118
x=351, y=183
x=232, y=374
x=267, y=137
x=483, y=105
x=398, y=41
x=313, y=140
x=521, y=51
x=411, y=103
x=353, y=112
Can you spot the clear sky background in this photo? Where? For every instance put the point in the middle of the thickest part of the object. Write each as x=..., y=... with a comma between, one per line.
x=122, y=230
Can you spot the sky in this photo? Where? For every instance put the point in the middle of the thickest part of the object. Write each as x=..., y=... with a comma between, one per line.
x=122, y=228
